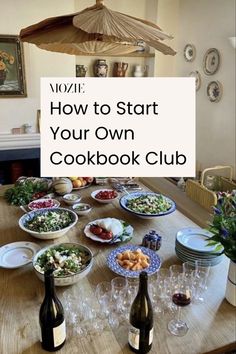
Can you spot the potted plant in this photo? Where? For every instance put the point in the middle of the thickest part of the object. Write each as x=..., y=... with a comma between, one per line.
x=223, y=228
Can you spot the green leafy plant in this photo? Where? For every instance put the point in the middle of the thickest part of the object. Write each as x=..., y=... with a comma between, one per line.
x=23, y=193
x=223, y=225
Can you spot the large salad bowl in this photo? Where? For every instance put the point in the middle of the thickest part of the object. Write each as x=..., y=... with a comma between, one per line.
x=147, y=205
x=64, y=251
x=49, y=223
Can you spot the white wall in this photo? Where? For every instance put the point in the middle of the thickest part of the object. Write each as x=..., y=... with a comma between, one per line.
x=17, y=14
x=206, y=24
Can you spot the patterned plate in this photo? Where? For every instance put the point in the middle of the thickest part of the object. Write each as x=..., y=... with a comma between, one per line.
x=112, y=263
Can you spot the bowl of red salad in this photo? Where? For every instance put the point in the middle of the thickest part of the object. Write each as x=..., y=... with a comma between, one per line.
x=43, y=203
x=104, y=195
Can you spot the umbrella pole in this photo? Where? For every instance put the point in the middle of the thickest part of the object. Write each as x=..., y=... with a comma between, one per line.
x=98, y=2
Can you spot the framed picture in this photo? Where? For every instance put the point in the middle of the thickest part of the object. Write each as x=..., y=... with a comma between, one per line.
x=12, y=74
x=211, y=61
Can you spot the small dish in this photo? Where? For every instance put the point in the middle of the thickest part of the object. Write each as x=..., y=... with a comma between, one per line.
x=94, y=195
x=43, y=203
x=71, y=199
x=81, y=208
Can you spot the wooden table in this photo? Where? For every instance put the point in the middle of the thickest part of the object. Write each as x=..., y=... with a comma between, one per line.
x=212, y=325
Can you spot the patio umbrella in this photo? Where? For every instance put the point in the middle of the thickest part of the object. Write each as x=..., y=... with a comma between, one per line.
x=96, y=29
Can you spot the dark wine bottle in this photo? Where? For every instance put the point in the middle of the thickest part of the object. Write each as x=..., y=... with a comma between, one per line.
x=141, y=319
x=51, y=317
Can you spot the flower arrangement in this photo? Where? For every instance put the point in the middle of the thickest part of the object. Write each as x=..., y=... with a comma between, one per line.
x=5, y=60
x=223, y=225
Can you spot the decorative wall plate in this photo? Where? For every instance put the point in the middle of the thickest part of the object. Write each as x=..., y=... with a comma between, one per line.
x=197, y=76
x=214, y=91
x=211, y=61
x=189, y=52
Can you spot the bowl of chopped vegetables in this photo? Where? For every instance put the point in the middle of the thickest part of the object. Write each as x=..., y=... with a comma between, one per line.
x=147, y=205
x=82, y=208
x=71, y=262
x=48, y=223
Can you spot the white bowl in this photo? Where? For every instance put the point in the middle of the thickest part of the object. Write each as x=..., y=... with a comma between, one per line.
x=81, y=212
x=68, y=279
x=50, y=235
x=75, y=198
x=56, y=203
x=104, y=201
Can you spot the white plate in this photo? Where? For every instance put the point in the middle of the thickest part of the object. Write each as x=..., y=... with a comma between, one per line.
x=17, y=254
x=124, y=236
x=195, y=239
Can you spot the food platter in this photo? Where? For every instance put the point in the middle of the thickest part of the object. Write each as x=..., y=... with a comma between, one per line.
x=17, y=254
x=123, y=236
x=112, y=263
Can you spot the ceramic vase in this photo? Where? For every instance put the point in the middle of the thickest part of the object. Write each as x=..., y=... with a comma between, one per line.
x=120, y=69
x=139, y=70
x=231, y=284
x=81, y=70
x=100, y=68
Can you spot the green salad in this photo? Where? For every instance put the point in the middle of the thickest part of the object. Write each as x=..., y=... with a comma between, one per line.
x=149, y=204
x=49, y=221
x=65, y=260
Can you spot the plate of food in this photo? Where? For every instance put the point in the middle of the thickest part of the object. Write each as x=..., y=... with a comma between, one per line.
x=130, y=260
x=147, y=205
x=108, y=230
x=104, y=195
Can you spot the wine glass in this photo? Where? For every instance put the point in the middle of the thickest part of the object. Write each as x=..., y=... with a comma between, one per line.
x=181, y=297
x=175, y=270
x=199, y=283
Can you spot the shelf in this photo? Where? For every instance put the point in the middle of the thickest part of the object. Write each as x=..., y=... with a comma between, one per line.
x=135, y=55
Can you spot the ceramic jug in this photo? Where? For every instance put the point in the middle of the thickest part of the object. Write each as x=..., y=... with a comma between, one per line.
x=139, y=70
x=81, y=70
x=100, y=68
x=120, y=69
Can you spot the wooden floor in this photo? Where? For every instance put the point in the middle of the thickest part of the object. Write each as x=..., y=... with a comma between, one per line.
x=184, y=204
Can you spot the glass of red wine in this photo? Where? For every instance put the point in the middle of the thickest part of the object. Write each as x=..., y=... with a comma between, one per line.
x=181, y=297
